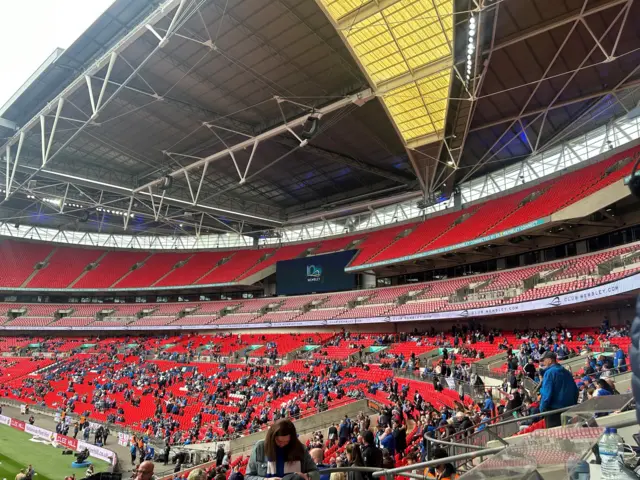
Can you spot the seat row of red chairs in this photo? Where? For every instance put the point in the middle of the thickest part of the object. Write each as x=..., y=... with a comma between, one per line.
x=428, y=297
x=42, y=265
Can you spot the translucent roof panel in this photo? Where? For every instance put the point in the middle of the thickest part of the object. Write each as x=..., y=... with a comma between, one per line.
x=393, y=43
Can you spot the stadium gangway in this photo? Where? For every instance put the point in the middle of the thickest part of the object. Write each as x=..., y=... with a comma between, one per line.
x=476, y=392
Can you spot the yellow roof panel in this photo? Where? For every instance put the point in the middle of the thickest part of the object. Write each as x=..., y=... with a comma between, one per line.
x=419, y=108
x=339, y=8
x=398, y=40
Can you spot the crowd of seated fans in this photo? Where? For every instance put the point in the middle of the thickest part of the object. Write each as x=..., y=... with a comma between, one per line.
x=158, y=386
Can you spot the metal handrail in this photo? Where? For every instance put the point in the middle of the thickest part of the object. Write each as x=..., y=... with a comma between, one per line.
x=528, y=417
x=454, y=444
x=372, y=470
x=432, y=463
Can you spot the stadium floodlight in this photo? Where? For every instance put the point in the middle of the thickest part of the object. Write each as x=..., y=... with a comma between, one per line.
x=311, y=126
x=166, y=183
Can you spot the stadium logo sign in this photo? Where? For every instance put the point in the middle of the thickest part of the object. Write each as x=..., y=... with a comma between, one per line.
x=555, y=301
x=314, y=273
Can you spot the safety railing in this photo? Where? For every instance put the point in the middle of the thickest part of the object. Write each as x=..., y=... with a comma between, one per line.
x=472, y=438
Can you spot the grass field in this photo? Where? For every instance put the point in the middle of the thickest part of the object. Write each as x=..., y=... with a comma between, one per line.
x=17, y=451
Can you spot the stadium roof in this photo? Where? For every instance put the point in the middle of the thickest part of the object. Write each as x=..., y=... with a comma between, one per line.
x=413, y=95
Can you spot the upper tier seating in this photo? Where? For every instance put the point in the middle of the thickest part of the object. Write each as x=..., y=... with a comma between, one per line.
x=196, y=267
x=64, y=266
x=18, y=259
x=283, y=253
x=240, y=262
x=567, y=189
x=377, y=241
x=423, y=235
x=67, y=265
x=337, y=244
x=112, y=267
x=429, y=297
x=154, y=268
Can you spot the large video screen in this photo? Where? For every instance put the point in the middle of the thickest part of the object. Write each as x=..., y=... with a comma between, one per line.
x=321, y=273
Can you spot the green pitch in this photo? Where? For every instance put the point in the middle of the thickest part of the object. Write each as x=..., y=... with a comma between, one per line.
x=17, y=451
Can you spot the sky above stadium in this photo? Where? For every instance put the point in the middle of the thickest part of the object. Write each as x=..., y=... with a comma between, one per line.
x=32, y=29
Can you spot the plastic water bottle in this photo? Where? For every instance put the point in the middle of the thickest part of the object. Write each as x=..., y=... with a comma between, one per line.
x=608, y=447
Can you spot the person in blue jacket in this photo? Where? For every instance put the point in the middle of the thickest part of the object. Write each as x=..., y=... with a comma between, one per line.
x=620, y=360
x=488, y=406
x=558, y=388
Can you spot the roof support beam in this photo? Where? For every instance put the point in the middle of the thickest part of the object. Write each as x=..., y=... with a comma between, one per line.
x=8, y=124
x=565, y=103
x=346, y=160
x=129, y=192
x=107, y=60
x=358, y=98
x=552, y=24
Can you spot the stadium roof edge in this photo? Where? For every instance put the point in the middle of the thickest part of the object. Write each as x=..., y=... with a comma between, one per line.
x=57, y=53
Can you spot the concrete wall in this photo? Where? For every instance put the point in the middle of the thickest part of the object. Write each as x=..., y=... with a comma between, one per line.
x=306, y=426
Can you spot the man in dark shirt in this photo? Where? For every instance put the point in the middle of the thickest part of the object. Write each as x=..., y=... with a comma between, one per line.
x=345, y=432
x=530, y=369
x=332, y=434
x=371, y=454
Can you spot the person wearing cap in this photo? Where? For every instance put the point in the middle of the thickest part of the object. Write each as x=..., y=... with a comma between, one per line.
x=558, y=388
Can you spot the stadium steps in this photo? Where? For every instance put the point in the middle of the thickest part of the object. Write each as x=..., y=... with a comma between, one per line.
x=260, y=274
x=87, y=270
x=36, y=270
x=529, y=198
x=180, y=264
x=221, y=262
x=400, y=236
x=138, y=265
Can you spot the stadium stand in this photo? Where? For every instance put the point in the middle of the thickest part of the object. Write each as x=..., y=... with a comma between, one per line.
x=515, y=285
x=107, y=364
x=153, y=269
x=63, y=267
x=88, y=268
x=111, y=268
x=198, y=265
x=18, y=260
x=240, y=262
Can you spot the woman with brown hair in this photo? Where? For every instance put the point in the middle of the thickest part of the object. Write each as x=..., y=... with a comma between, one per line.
x=281, y=456
x=354, y=456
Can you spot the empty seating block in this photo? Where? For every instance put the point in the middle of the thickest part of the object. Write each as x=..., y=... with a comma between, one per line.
x=154, y=268
x=239, y=263
x=19, y=259
x=376, y=242
x=423, y=235
x=64, y=266
x=337, y=244
x=112, y=267
x=197, y=266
